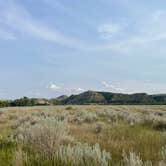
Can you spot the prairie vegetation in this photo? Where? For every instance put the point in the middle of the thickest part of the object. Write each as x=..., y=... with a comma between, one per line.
x=83, y=135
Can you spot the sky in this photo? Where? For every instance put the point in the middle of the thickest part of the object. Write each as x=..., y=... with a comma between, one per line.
x=54, y=47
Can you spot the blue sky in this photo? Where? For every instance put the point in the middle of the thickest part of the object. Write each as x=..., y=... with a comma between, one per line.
x=54, y=47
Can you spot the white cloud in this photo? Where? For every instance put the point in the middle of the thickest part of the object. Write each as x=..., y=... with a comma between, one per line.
x=107, y=85
x=54, y=87
x=73, y=90
x=77, y=90
x=63, y=89
x=112, y=88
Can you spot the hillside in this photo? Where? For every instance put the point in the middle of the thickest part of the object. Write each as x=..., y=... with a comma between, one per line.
x=91, y=97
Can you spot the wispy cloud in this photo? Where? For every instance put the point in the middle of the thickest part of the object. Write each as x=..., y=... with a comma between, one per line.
x=75, y=90
x=113, y=88
x=148, y=30
x=64, y=89
x=138, y=86
x=18, y=18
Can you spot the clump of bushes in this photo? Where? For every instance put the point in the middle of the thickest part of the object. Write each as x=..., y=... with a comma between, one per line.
x=134, y=160
x=45, y=135
x=83, y=116
x=114, y=116
x=155, y=121
x=49, y=142
x=83, y=154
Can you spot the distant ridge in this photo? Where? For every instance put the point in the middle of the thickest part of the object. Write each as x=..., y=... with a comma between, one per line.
x=97, y=97
x=91, y=97
x=87, y=97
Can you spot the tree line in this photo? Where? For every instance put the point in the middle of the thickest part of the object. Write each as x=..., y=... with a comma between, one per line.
x=25, y=101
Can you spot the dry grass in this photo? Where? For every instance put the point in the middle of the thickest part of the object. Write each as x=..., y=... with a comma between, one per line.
x=136, y=131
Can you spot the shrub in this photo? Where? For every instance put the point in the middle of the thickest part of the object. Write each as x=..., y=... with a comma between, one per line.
x=155, y=121
x=83, y=116
x=48, y=143
x=44, y=136
x=132, y=160
x=83, y=154
x=119, y=115
x=163, y=155
x=76, y=155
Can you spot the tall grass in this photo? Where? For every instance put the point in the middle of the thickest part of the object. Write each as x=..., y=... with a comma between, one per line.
x=83, y=135
x=49, y=143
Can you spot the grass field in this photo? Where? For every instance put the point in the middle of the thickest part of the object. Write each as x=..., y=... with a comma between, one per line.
x=83, y=135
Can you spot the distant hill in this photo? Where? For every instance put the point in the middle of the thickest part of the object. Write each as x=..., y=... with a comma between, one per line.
x=91, y=97
x=57, y=101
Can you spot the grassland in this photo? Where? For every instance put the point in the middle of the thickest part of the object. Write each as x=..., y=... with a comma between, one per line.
x=83, y=135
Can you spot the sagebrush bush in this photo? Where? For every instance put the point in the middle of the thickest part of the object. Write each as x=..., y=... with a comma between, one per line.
x=71, y=155
x=83, y=154
x=114, y=116
x=132, y=160
x=49, y=140
x=83, y=116
x=45, y=135
x=155, y=121
x=163, y=155
x=51, y=136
